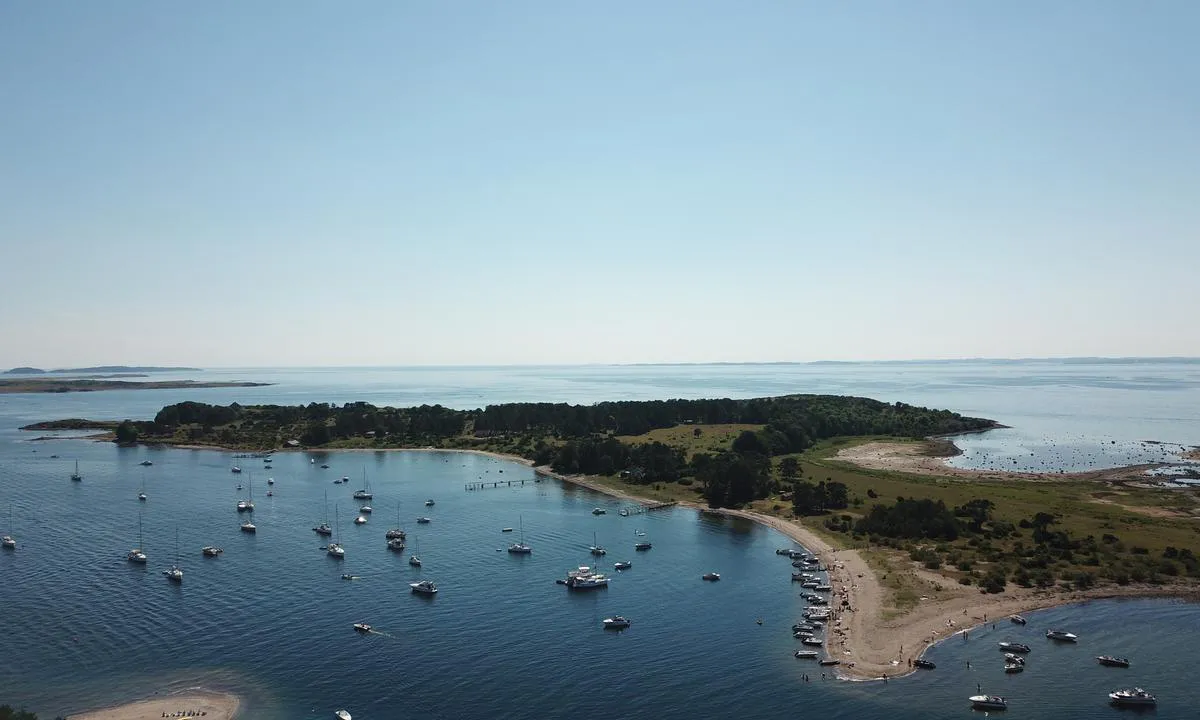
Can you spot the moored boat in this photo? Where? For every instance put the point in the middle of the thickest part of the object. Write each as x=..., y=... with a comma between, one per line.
x=1112, y=661
x=584, y=578
x=211, y=550
x=1014, y=647
x=1017, y=619
x=923, y=664
x=807, y=654
x=988, y=702
x=622, y=565
x=617, y=622
x=711, y=576
x=1061, y=635
x=1014, y=667
x=424, y=587
x=642, y=546
x=1134, y=697
x=362, y=627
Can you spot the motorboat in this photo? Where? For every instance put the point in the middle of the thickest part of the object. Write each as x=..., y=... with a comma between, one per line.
x=211, y=550
x=341, y=714
x=366, y=509
x=622, y=565
x=1014, y=658
x=810, y=584
x=599, y=511
x=711, y=576
x=642, y=546
x=783, y=551
x=1112, y=661
x=8, y=542
x=142, y=496
x=270, y=481
x=145, y=463
x=429, y=503
x=807, y=627
x=813, y=641
x=988, y=702
x=802, y=634
x=830, y=661
x=175, y=574
x=235, y=469
x=1135, y=697
x=396, y=544
x=348, y=576
x=424, y=587
x=324, y=466
x=1018, y=620
x=360, y=520
x=584, y=578
x=270, y=493
x=362, y=627
x=506, y=530
x=801, y=577
x=323, y=529
x=1061, y=635
x=1014, y=647
x=923, y=664
x=799, y=564
x=617, y=622
x=623, y=512
x=249, y=527
x=807, y=654
x=424, y=521
x=337, y=482
x=1014, y=667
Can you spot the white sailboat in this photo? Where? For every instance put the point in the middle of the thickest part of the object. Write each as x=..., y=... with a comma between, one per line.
x=142, y=492
x=595, y=548
x=7, y=542
x=75, y=475
x=323, y=528
x=175, y=574
x=365, y=493
x=396, y=533
x=137, y=555
x=334, y=548
x=520, y=548
x=415, y=559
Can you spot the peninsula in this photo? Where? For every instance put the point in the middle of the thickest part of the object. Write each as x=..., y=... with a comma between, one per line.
x=913, y=554
x=52, y=385
x=98, y=369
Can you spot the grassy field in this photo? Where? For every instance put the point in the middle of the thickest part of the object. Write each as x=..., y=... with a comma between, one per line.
x=693, y=438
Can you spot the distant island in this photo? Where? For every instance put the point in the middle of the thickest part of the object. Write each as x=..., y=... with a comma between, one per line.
x=50, y=385
x=98, y=369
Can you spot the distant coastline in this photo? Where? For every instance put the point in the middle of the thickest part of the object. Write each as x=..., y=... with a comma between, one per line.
x=26, y=370
x=53, y=385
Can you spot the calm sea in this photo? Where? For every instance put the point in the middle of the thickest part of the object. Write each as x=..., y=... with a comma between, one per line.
x=271, y=618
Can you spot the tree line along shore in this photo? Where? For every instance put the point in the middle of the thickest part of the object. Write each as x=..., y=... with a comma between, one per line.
x=779, y=458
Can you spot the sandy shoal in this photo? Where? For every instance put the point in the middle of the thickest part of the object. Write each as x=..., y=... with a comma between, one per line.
x=208, y=705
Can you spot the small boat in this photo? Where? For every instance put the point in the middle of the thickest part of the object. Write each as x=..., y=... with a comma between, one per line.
x=415, y=559
x=341, y=714
x=923, y=664
x=8, y=542
x=783, y=551
x=1062, y=635
x=424, y=521
x=711, y=576
x=362, y=627
x=813, y=641
x=239, y=487
x=249, y=527
x=348, y=576
x=1112, y=661
x=235, y=469
x=429, y=503
x=1014, y=667
x=337, y=482
x=824, y=588
x=211, y=550
x=365, y=509
x=1014, y=658
x=1017, y=619
x=807, y=654
x=175, y=573
x=623, y=512
x=75, y=475
x=622, y=565
x=1135, y=697
x=396, y=544
x=830, y=661
x=988, y=702
x=360, y=520
x=142, y=496
x=810, y=584
x=270, y=481
x=617, y=622
x=642, y=546
x=809, y=627
x=584, y=578
x=424, y=587
x=506, y=530
x=270, y=493
x=599, y=511
x=802, y=634
x=1014, y=647
x=324, y=466
x=144, y=463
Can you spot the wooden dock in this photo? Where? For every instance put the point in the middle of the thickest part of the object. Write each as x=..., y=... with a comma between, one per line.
x=493, y=484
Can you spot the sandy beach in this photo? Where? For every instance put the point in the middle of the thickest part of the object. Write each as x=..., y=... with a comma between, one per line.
x=195, y=704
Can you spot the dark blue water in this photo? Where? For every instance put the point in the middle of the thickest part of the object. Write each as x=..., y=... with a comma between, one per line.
x=271, y=618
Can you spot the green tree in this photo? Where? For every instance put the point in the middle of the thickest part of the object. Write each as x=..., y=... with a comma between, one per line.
x=127, y=433
x=8, y=713
x=789, y=469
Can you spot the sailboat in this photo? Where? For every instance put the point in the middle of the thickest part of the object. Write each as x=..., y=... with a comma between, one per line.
x=75, y=475
x=520, y=548
x=365, y=493
x=323, y=528
x=396, y=533
x=7, y=541
x=175, y=574
x=415, y=560
x=248, y=526
x=136, y=555
x=142, y=494
x=595, y=547
x=334, y=549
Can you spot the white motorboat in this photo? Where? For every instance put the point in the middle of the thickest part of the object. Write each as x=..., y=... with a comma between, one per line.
x=367, y=509
x=235, y=469
x=988, y=702
x=429, y=503
x=622, y=565
x=813, y=641
x=341, y=714
x=1014, y=647
x=1135, y=697
x=1061, y=635
x=1014, y=667
x=270, y=481
x=360, y=520
x=617, y=622
x=1014, y=658
x=211, y=550
x=145, y=463
x=424, y=587
x=424, y=521
x=599, y=511
x=807, y=654
x=362, y=627
x=584, y=578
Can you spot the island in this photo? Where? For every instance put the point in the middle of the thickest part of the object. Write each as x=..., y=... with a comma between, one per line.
x=50, y=385
x=916, y=551
x=98, y=369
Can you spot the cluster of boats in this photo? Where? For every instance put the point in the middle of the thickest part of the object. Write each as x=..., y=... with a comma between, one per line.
x=806, y=567
x=1132, y=698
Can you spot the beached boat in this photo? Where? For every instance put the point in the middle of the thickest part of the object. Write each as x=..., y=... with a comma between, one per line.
x=1061, y=635
x=988, y=702
x=830, y=661
x=813, y=641
x=783, y=551
x=1112, y=661
x=1017, y=619
x=1135, y=697
x=807, y=654
x=617, y=622
x=923, y=664
x=1014, y=647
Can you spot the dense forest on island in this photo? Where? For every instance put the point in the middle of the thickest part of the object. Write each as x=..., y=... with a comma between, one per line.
x=599, y=439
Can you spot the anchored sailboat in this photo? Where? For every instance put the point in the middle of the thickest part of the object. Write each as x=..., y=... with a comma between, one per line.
x=175, y=574
x=520, y=548
x=7, y=541
x=335, y=549
x=75, y=475
x=323, y=528
x=137, y=555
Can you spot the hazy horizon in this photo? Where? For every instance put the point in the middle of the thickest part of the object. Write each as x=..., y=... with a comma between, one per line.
x=409, y=184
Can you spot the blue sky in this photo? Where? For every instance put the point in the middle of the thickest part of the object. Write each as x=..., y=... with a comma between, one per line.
x=379, y=183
